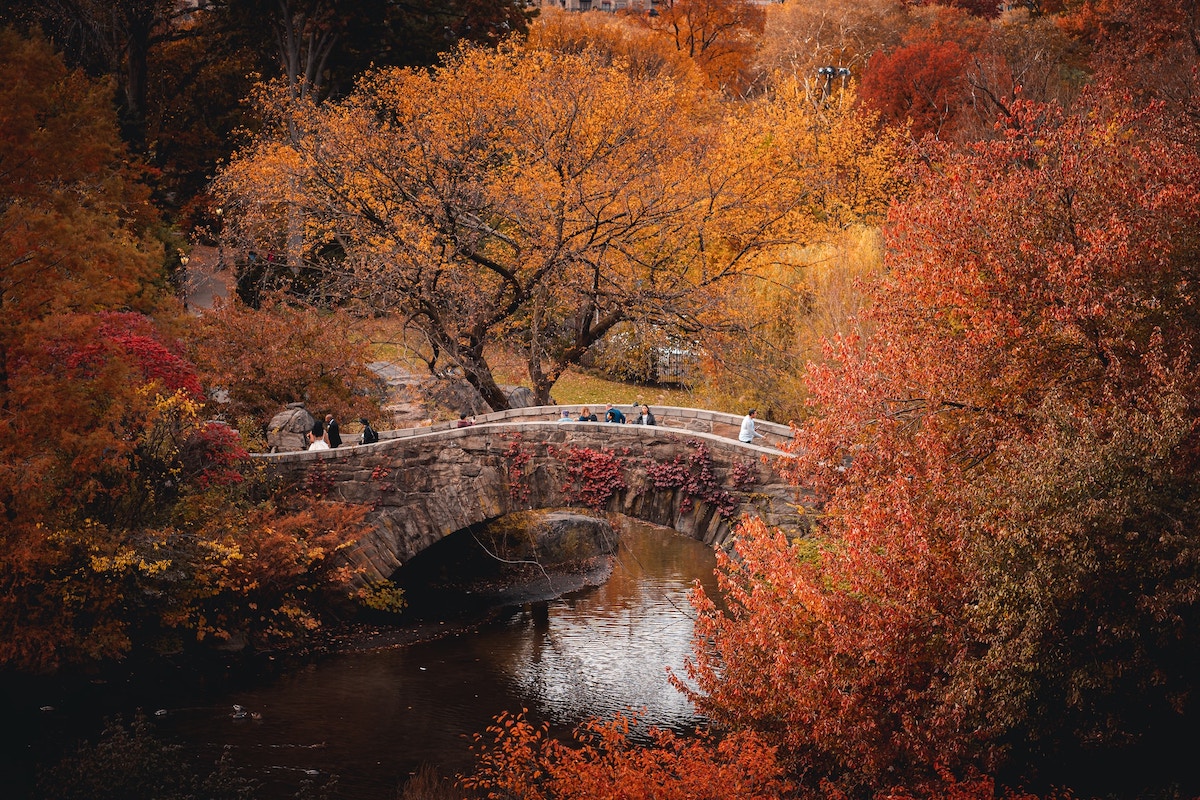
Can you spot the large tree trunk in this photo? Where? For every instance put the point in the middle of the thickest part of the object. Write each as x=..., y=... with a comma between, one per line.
x=479, y=374
x=542, y=382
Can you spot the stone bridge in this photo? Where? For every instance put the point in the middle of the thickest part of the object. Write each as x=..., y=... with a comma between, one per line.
x=689, y=473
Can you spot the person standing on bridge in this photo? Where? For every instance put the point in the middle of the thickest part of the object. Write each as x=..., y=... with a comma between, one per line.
x=748, y=432
x=586, y=415
x=613, y=414
x=645, y=418
x=333, y=433
x=369, y=436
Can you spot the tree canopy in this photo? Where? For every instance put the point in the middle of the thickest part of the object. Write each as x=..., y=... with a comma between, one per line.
x=1005, y=470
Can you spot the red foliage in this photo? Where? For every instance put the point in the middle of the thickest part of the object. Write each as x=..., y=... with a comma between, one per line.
x=595, y=476
x=154, y=358
x=921, y=83
x=1027, y=399
x=211, y=456
x=924, y=81
x=522, y=760
x=517, y=456
x=696, y=480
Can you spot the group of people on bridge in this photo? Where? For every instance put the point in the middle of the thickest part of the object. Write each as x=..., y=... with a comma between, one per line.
x=327, y=434
x=641, y=415
x=746, y=434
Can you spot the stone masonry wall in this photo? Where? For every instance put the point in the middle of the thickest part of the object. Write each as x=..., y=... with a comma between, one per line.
x=423, y=487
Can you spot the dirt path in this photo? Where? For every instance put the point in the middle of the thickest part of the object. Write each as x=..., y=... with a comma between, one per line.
x=206, y=278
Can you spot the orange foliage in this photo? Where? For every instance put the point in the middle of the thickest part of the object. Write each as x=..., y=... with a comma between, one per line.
x=71, y=215
x=523, y=761
x=718, y=34
x=1006, y=471
x=616, y=40
x=263, y=572
x=528, y=197
x=268, y=357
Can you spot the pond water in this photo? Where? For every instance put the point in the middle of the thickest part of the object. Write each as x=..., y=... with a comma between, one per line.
x=374, y=717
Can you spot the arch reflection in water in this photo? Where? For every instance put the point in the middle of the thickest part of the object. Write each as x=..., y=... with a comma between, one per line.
x=606, y=650
x=373, y=717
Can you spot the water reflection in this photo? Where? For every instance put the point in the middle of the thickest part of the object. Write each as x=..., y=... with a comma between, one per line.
x=606, y=650
x=371, y=718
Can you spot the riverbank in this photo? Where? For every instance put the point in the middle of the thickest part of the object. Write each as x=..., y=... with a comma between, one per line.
x=536, y=586
x=372, y=703
x=49, y=714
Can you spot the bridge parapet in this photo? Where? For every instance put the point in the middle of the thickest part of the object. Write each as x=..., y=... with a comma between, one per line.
x=699, y=420
x=434, y=481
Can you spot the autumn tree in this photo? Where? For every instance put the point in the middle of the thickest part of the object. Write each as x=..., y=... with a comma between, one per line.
x=778, y=318
x=72, y=218
x=107, y=38
x=614, y=40
x=847, y=171
x=720, y=35
x=268, y=357
x=1145, y=48
x=1004, y=572
x=129, y=529
x=518, y=759
x=802, y=36
x=1022, y=55
x=922, y=82
x=124, y=522
x=531, y=198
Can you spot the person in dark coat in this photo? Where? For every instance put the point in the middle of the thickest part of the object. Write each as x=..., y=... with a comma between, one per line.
x=333, y=433
x=645, y=418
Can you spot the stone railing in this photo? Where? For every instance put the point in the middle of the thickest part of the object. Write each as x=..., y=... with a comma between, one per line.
x=690, y=419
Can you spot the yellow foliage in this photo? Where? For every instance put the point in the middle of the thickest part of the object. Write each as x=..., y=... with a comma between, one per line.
x=783, y=315
x=615, y=40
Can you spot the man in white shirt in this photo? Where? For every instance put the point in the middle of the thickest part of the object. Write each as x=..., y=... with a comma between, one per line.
x=748, y=432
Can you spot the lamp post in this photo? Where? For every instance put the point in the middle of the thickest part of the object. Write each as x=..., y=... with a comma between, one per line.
x=220, y=212
x=829, y=72
x=183, y=276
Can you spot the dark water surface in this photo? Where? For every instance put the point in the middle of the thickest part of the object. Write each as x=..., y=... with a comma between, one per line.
x=372, y=718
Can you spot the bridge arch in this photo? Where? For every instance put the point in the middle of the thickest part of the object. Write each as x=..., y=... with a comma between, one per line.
x=424, y=485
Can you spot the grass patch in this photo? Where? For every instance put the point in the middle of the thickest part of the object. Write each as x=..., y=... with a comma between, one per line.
x=580, y=387
x=575, y=387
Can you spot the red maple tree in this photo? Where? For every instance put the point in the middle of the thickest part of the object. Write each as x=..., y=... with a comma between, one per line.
x=1004, y=565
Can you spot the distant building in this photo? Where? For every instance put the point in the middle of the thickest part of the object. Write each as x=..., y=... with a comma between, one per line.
x=598, y=5
x=650, y=6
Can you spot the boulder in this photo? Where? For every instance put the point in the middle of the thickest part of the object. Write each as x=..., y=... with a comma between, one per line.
x=288, y=430
x=520, y=397
x=565, y=536
x=552, y=538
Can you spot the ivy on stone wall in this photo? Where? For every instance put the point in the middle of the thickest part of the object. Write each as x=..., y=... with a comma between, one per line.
x=516, y=457
x=695, y=478
x=595, y=476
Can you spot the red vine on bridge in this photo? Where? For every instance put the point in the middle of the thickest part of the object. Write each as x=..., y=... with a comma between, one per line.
x=695, y=478
x=516, y=458
x=318, y=482
x=596, y=475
